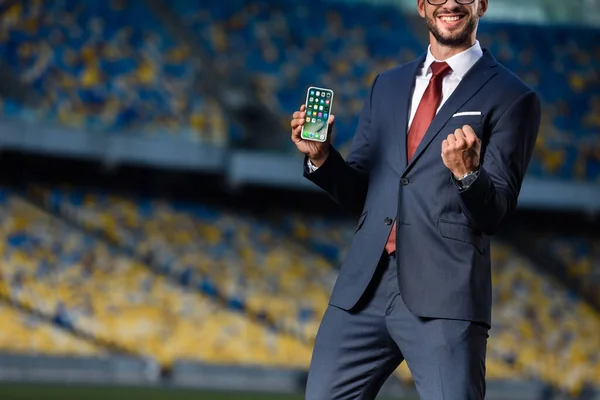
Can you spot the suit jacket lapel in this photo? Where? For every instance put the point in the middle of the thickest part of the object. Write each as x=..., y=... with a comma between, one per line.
x=477, y=76
x=405, y=79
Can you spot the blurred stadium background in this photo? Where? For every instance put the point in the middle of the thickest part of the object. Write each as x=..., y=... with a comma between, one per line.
x=159, y=242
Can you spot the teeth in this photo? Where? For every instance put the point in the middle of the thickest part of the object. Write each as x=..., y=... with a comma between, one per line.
x=450, y=19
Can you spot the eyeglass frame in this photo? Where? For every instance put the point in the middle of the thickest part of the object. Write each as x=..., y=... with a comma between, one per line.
x=445, y=1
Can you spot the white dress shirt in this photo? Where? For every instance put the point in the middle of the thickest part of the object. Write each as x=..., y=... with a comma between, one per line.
x=460, y=63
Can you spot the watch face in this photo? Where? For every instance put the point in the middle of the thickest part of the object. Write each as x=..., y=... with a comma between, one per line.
x=469, y=179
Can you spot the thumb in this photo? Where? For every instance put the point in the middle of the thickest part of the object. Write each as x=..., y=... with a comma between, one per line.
x=330, y=123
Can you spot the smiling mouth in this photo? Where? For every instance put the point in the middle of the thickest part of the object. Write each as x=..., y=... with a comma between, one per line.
x=451, y=20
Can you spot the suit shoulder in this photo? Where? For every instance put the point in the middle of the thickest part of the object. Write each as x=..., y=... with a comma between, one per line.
x=512, y=83
x=513, y=91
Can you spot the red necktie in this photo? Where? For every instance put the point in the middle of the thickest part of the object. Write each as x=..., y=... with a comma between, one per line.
x=425, y=113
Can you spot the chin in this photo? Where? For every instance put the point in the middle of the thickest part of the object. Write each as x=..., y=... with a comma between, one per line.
x=452, y=37
x=452, y=29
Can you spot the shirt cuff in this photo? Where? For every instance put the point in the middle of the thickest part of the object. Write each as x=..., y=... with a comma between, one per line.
x=311, y=167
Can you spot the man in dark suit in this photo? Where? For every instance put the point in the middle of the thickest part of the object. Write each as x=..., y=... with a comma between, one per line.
x=435, y=168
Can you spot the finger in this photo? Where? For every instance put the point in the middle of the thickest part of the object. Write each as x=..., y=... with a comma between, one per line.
x=296, y=131
x=296, y=138
x=298, y=114
x=470, y=135
x=460, y=142
x=459, y=133
x=294, y=123
x=303, y=107
x=297, y=125
x=331, y=120
x=469, y=132
x=451, y=139
x=445, y=146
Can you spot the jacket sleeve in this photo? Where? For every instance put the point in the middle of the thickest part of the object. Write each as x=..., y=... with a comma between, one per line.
x=347, y=181
x=493, y=196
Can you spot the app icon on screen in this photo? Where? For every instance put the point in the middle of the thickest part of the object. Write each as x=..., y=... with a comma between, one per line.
x=309, y=113
x=322, y=94
x=328, y=95
x=322, y=101
x=325, y=115
x=314, y=120
x=318, y=93
x=321, y=108
x=310, y=135
x=307, y=119
x=326, y=101
x=320, y=114
x=311, y=99
x=312, y=92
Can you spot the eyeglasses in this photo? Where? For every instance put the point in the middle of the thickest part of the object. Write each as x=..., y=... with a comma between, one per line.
x=441, y=2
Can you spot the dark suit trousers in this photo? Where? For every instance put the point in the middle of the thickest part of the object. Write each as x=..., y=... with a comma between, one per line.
x=357, y=350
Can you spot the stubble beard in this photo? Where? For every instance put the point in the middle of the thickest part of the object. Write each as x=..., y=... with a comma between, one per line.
x=454, y=39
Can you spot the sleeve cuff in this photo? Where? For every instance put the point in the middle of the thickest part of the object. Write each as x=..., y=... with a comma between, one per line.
x=328, y=167
x=310, y=167
x=475, y=195
x=462, y=186
x=457, y=183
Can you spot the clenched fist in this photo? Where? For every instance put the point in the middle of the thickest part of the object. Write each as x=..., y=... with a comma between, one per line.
x=316, y=152
x=461, y=151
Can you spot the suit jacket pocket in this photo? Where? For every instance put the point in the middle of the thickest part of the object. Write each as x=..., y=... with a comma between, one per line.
x=462, y=120
x=463, y=233
x=361, y=221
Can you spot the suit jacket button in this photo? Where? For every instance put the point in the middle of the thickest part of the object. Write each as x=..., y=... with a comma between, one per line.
x=387, y=220
x=404, y=181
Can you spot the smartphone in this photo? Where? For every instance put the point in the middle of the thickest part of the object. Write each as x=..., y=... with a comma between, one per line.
x=318, y=108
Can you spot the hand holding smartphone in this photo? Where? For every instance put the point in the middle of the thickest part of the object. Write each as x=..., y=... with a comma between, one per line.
x=318, y=109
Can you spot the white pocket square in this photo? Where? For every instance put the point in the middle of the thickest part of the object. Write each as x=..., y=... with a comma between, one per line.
x=462, y=114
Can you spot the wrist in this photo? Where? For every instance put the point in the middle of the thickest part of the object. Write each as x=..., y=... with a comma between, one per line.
x=465, y=181
x=319, y=159
x=462, y=174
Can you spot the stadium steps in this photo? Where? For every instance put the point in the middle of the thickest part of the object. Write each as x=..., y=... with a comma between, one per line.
x=519, y=236
x=289, y=346
x=108, y=346
x=14, y=88
x=38, y=197
x=252, y=115
x=511, y=268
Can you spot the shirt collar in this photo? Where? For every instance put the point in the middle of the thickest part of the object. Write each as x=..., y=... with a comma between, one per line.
x=460, y=63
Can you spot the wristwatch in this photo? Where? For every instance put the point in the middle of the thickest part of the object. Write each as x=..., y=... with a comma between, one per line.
x=467, y=180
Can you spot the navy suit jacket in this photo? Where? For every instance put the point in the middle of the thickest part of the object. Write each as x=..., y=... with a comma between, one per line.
x=442, y=242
